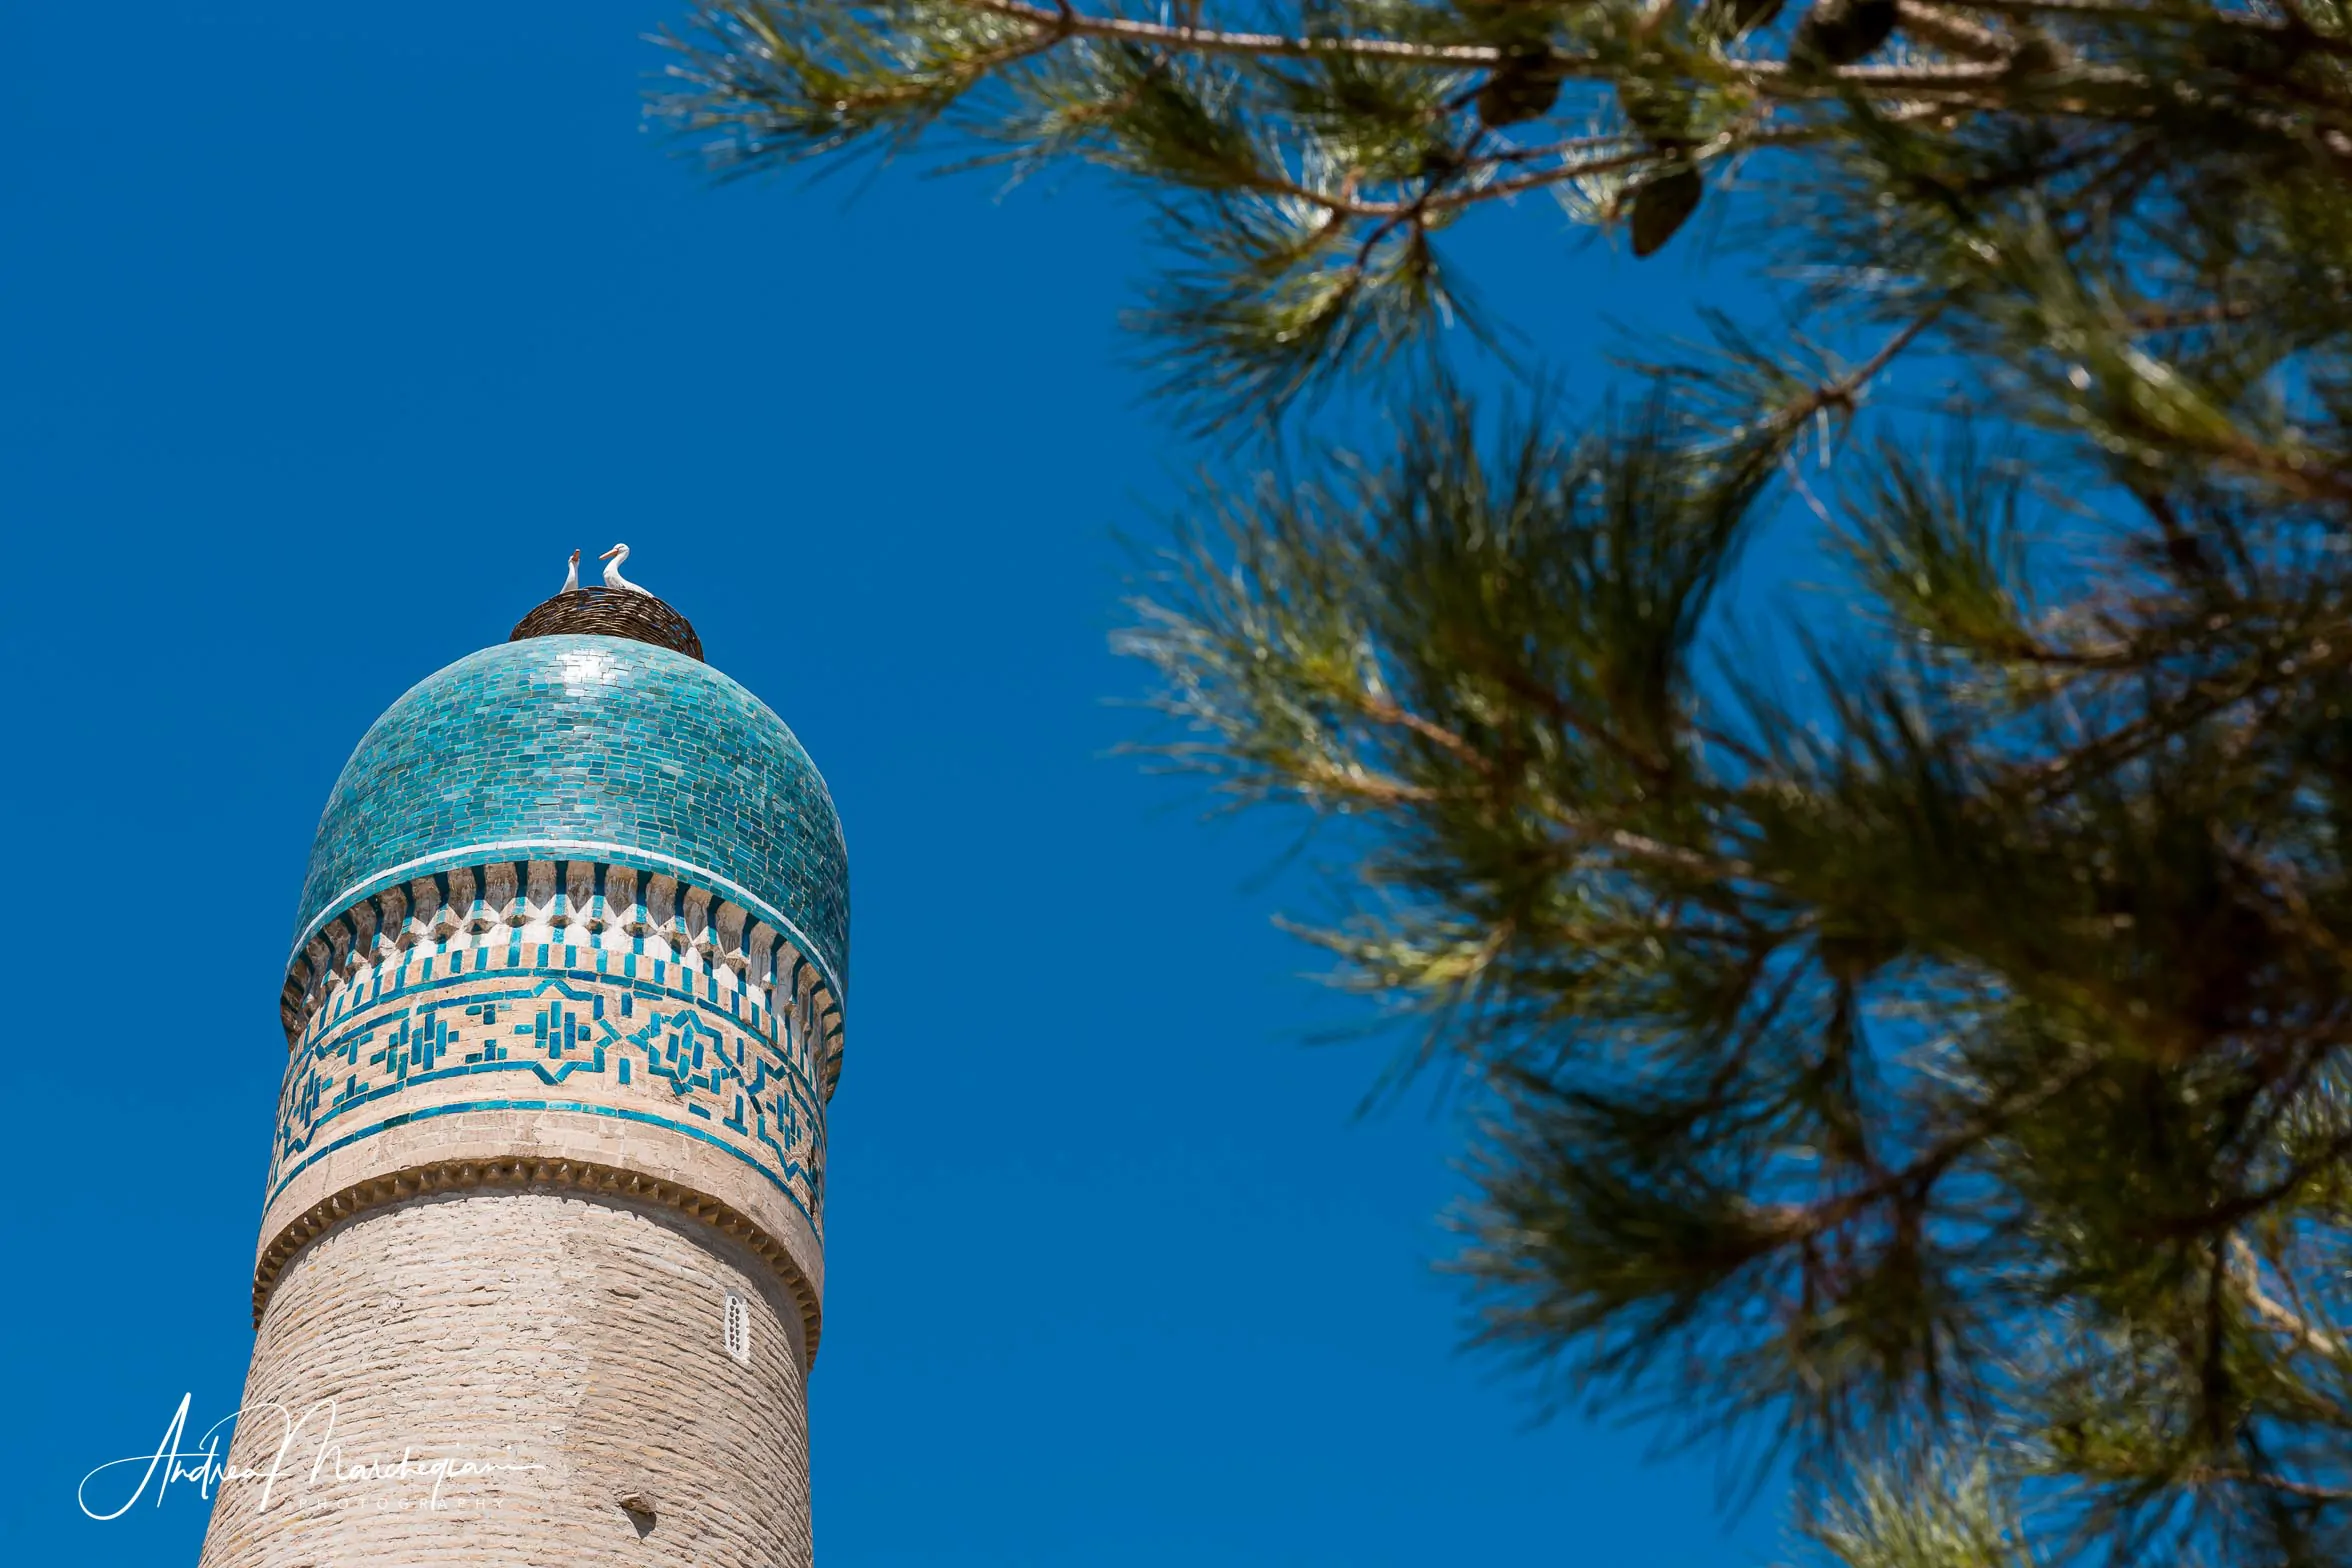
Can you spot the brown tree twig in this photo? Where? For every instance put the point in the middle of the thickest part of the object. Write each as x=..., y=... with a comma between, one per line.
x=2246, y=1276
x=1771, y=76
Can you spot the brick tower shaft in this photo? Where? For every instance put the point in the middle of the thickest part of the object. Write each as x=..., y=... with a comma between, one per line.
x=540, y=1270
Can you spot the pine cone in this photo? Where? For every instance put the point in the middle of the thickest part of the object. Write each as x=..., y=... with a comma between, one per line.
x=1523, y=87
x=1839, y=32
x=1661, y=205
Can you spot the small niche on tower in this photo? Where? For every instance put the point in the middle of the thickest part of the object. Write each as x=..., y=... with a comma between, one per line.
x=737, y=1328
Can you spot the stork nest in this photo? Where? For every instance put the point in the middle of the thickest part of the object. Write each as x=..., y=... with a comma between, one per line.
x=610, y=612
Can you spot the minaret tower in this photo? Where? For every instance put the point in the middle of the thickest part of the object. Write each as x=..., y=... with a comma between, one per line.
x=545, y=1201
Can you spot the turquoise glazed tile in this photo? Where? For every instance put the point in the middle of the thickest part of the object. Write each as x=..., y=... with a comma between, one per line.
x=584, y=739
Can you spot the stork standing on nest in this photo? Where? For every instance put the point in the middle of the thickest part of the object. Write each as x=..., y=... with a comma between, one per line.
x=612, y=574
x=572, y=574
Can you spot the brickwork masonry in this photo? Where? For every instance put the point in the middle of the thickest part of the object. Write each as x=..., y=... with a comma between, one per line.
x=546, y=1052
x=573, y=1349
x=545, y=1202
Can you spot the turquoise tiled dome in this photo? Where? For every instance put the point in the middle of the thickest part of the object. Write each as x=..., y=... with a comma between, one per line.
x=591, y=748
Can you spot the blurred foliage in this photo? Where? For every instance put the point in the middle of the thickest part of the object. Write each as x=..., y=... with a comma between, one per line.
x=1945, y=1074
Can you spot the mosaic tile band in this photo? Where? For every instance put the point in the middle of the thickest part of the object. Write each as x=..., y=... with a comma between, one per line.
x=619, y=1034
x=444, y=914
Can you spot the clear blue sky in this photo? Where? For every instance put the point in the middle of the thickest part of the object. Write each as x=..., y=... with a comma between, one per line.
x=329, y=330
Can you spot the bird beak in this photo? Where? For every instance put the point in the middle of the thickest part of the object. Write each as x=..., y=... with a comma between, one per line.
x=609, y=554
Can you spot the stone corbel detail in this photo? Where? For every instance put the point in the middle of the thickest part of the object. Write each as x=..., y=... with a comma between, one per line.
x=393, y=906
x=363, y=936
x=694, y=926
x=465, y=896
x=456, y=905
x=538, y=893
x=306, y=986
x=728, y=940
x=498, y=893
x=424, y=908
x=578, y=900
x=661, y=909
x=759, y=952
x=620, y=897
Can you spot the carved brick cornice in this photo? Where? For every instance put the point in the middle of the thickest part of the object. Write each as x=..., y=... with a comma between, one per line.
x=457, y=1176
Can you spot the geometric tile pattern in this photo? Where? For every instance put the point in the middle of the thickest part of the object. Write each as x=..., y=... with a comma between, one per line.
x=626, y=1035
x=509, y=908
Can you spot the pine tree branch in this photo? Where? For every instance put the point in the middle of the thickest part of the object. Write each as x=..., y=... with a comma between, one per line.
x=1770, y=76
x=1792, y=1222
x=2124, y=11
x=1926, y=1037
x=1947, y=29
x=2311, y=1491
x=2246, y=1276
x=1843, y=393
x=1388, y=790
